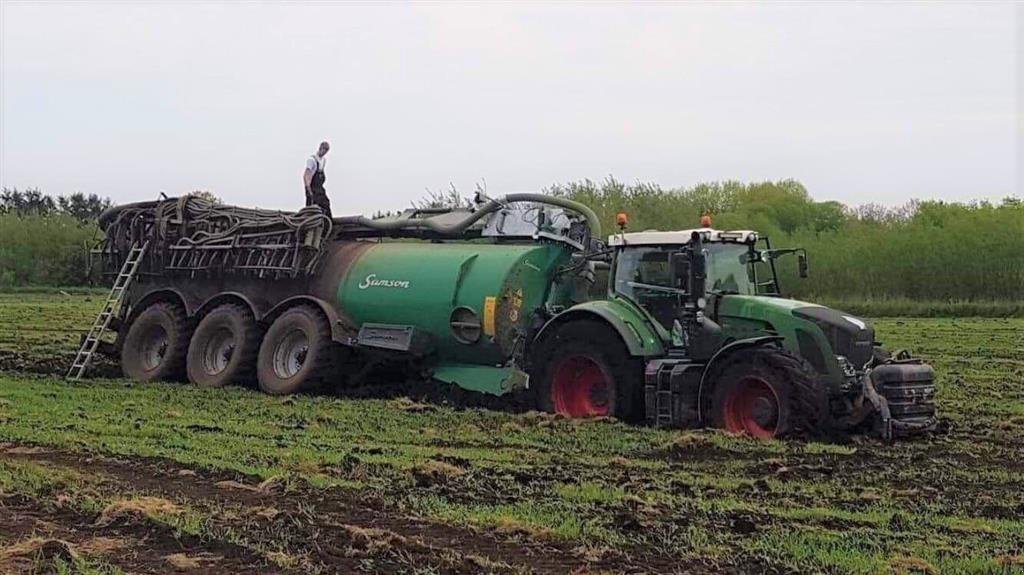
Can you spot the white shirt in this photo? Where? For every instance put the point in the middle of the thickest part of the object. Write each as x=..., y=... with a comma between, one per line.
x=311, y=163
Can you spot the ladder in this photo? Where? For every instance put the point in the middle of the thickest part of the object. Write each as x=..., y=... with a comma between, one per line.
x=116, y=296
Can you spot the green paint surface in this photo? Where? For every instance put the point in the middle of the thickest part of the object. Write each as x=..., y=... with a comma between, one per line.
x=482, y=378
x=421, y=284
x=642, y=335
x=743, y=316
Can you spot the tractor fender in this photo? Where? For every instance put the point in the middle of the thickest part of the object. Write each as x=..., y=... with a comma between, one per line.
x=721, y=356
x=640, y=339
x=340, y=331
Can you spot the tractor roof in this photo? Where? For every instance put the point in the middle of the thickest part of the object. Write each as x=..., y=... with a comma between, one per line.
x=653, y=237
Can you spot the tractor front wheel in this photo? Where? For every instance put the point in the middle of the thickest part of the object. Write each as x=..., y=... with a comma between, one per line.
x=767, y=393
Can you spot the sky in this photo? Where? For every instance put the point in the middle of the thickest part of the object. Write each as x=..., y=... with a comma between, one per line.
x=862, y=103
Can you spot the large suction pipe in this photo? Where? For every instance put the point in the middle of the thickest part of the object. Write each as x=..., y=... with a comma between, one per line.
x=489, y=207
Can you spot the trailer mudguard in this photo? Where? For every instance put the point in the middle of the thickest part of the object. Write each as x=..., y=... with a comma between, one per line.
x=341, y=332
x=723, y=354
x=637, y=332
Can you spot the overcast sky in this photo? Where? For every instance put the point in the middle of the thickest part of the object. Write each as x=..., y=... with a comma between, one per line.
x=860, y=102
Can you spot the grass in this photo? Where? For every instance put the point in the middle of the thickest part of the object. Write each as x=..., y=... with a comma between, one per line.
x=905, y=307
x=55, y=290
x=948, y=504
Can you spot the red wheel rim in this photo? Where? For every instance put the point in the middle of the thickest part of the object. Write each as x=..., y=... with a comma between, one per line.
x=580, y=387
x=753, y=407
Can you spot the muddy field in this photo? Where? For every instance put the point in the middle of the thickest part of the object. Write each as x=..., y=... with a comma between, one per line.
x=107, y=476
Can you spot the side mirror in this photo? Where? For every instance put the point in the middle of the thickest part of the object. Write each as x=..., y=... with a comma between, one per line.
x=802, y=264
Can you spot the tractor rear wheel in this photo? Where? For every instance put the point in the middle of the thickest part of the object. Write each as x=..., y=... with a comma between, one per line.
x=223, y=348
x=586, y=371
x=297, y=352
x=768, y=392
x=156, y=343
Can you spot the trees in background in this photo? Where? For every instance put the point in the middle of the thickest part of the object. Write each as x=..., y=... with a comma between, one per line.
x=32, y=202
x=45, y=240
x=923, y=250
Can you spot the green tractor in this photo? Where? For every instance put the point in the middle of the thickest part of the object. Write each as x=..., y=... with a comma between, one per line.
x=702, y=317
x=500, y=298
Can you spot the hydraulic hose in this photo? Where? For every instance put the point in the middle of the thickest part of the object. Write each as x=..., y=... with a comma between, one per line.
x=489, y=207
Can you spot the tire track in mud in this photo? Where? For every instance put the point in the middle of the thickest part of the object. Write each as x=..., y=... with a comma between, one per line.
x=333, y=530
x=35, y=535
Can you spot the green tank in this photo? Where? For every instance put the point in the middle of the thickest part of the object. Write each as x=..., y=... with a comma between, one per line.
x=470, y=299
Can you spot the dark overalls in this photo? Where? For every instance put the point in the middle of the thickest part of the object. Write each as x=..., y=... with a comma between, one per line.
x=317, y=195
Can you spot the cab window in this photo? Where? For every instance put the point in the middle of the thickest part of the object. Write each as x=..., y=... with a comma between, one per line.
x=649, y=266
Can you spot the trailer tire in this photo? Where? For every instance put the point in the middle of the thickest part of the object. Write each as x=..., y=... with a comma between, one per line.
x=768, y=392
x=297, y=352
x=224, y=347
x=585, y=370
x=156, y=343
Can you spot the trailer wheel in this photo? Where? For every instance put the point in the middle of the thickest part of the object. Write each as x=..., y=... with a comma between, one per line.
x=767, y=393
x=223, y=348
x=155, y=346
x=586, y=371
x=297, y=352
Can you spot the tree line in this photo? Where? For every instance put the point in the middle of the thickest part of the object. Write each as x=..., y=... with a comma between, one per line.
x=45, y=240
x=920, y=251
x=33, y=202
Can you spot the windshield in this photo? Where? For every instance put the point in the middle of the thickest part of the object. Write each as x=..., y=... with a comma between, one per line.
x=728, y=270
x=638, y=270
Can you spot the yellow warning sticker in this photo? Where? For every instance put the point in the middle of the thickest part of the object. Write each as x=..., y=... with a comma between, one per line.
x=490, y=303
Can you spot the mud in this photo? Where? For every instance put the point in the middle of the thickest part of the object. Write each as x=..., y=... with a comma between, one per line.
x=318, y=530
x=135, y=546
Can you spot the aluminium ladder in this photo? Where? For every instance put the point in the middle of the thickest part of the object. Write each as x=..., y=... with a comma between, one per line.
x=114, y=299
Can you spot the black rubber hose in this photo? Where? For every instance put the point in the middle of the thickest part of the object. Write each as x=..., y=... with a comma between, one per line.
x=489, y=207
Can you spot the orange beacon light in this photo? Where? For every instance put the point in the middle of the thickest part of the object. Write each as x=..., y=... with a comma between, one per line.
x=622, y=220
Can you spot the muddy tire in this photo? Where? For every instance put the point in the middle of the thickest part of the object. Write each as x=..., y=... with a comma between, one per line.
x=224, y=347
x=297, y=352
x=767, y=392
x=585, y=370
x=156, y=344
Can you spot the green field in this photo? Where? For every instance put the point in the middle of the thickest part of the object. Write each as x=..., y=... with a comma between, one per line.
x=160, y=477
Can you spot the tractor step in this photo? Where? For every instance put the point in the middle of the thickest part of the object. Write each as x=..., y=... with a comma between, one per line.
x=670, y=392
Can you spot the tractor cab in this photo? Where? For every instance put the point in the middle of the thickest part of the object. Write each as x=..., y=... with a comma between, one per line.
x=663, y=272
x=652, y=268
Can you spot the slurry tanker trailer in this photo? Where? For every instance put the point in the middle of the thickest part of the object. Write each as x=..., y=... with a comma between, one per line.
x=689, y=329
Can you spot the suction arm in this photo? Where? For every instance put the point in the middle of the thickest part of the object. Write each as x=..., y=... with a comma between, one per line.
x=488, y=207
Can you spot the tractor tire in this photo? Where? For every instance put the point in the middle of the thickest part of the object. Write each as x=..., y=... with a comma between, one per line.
x=224, y=347
x=767, y=392
x=585, y=370
x=297, y=353
x=155, y=346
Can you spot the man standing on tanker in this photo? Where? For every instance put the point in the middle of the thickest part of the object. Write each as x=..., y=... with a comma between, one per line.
x=314, y=179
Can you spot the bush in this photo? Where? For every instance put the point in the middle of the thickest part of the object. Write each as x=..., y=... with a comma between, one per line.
x=934, y=251
x=44, y=250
